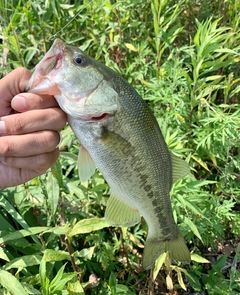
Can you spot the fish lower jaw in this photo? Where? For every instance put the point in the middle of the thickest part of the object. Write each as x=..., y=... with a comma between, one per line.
x=93, y=118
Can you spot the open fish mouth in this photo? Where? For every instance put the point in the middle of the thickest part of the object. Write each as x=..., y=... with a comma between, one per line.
x=54, y=75
x=40, y=82
x=54, y=62
x=100, y=117
x=53, y=58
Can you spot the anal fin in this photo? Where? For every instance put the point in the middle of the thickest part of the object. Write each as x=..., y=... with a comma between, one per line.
x=119, y=213
x=86, y=166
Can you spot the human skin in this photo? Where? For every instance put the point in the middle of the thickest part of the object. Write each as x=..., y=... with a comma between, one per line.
x=29, y=125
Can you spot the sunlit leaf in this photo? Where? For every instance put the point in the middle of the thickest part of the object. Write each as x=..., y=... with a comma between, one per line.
x=131, y=47
x=88, y=225
x=9, y=282
x=198, y=258
x=75, y=288
x=201, y=162
x=23, y=233
x=55, y=255
x=3, y=255
x=158, y=264
x=169, y=283
x=24, y=261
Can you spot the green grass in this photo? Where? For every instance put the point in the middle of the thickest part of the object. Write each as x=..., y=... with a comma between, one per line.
x=183, y=58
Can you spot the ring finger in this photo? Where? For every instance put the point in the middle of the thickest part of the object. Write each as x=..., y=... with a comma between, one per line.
x=29, y=144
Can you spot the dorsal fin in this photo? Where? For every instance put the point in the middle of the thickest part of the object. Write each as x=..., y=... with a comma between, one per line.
x=180, y=168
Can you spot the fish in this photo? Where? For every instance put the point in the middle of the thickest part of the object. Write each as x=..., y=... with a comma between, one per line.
x=120, y=135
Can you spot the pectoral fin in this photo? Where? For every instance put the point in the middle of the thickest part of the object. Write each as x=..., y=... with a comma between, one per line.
x=180, y=168
x=119, y=213
x=86, y=166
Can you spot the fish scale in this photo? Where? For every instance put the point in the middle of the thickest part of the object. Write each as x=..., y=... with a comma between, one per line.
x=120, y=135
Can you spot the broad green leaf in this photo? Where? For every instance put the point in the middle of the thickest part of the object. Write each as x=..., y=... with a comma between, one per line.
x=88, y=225
x=193, y=227
x=55, y=255
x=5, y=223
x=9, y=282
x=13, y=212
x=75, y=288
x=122, y=289
x=70, y=157
x=227, y=50
x=86, y=253
x=57, y=278
x=74, y=189
x=59, y=230
x=31, y=51
x=194, y=208
x=112, y=283
x=23, y=233
x=60, y=280
x=53, y=192
x=43, y=273
x=215, y=77
x=56, y=170
x=30, y=289
x=3, y=255
x=23, y=261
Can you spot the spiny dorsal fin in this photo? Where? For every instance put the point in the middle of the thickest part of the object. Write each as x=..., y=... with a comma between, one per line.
x=86, y=166
x=180, y=168
x=119, y=213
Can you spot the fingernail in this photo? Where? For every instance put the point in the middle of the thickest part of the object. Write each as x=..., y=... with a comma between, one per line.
x=2, y=128
x=19, y=103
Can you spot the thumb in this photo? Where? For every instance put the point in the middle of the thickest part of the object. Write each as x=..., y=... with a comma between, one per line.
x=12, y=84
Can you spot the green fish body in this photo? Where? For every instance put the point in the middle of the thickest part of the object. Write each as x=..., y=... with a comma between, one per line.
x=119, y=135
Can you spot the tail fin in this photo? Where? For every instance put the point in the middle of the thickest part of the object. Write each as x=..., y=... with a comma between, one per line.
x=154, y=248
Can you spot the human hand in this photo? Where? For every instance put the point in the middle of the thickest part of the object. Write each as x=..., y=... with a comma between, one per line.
x=28, y=130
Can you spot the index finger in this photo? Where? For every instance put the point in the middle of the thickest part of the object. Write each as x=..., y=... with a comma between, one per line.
x=29, y=101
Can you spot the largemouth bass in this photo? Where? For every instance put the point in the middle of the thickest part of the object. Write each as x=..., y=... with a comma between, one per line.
x=118, y=134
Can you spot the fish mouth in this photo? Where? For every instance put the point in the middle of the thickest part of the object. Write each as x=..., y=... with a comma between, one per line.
x=100, y=117
x=53, y=58
x=40, y=81
x=94, y=117
x=52, y=63
x=45, y=80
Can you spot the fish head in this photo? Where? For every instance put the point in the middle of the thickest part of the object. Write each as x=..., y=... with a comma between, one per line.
x=78, y=82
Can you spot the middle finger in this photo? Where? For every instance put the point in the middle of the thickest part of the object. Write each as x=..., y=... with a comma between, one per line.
x=28, y=144
x=32, y=121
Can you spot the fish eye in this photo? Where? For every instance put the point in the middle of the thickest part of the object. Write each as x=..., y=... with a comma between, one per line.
x=79, y=60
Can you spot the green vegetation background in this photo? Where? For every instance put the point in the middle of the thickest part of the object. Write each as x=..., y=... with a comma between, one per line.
x=183, y=58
